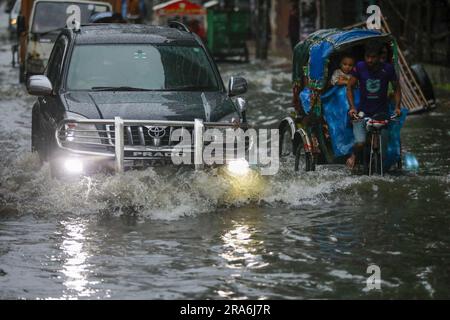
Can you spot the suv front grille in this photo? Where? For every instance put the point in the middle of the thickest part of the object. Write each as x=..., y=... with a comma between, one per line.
x=145, y=135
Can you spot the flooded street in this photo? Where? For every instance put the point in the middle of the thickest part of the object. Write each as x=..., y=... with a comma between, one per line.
x=168, y=233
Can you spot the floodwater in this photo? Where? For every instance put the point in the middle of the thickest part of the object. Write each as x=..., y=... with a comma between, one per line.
x=177, y=234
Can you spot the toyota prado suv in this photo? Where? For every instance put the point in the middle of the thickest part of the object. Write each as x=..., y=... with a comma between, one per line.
x=112, y=96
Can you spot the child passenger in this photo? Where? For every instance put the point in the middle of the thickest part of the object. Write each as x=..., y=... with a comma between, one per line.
x=341, y=76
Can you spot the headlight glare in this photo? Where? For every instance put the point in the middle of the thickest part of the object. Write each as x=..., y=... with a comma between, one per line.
x=238, y=167
x=73, y=166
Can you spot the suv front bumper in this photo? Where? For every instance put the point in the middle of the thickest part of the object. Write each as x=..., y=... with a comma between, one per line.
x=112, y=155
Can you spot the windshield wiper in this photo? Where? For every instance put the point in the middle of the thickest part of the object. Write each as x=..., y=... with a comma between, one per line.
x=190, y=88
x=123, y=88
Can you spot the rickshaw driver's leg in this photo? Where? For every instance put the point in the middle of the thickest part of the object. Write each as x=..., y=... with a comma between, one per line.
x=360, y=133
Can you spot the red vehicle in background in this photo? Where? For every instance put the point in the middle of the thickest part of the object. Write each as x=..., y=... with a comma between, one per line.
x=190, y=14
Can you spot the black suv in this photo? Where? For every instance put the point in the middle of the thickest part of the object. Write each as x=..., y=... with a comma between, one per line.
x=142, y=80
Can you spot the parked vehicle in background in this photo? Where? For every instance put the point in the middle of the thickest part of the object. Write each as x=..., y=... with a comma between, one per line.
x=9, y=5
x=228, y=29
x=189, y=13
x=12, y=22
x=40, y=22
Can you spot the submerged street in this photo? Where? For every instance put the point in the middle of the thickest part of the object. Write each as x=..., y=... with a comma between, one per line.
x=168, y=233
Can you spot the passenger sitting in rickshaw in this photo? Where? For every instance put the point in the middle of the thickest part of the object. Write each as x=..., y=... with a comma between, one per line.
x=374, y=77
x=342, y=75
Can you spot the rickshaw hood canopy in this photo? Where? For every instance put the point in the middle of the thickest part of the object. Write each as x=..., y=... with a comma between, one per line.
x=311, y=56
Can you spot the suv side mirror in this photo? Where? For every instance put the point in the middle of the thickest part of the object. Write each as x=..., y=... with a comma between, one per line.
x=20, y=24
x=236, y=86
x=39, y=85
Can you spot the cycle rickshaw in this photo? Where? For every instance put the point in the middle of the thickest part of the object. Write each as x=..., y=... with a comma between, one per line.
x=325, y=135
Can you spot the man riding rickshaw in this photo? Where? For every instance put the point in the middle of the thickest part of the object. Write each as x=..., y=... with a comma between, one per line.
x=348, y=102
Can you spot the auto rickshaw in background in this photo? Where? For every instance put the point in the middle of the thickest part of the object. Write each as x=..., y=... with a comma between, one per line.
x=12, y=28
x=325, y=134
x=227, y=30
x=9, y=5
x=40, y=22
x=12, y=19
x=190, y=14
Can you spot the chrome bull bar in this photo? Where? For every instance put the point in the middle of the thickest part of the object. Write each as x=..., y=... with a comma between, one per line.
x=118, y=141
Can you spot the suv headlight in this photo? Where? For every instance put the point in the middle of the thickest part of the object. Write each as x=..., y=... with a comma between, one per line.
x=80, y=132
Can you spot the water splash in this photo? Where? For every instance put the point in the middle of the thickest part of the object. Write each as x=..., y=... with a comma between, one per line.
x=161, y=193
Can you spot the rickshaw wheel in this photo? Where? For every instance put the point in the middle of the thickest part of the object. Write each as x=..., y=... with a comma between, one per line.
x=375, y=166
x=309, y=160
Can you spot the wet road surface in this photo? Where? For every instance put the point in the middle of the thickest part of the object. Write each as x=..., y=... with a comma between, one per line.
x=175, y=234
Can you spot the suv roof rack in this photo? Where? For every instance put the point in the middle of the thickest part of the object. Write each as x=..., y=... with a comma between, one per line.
x=178, y=25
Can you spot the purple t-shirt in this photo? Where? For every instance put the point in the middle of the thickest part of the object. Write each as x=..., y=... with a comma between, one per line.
x=373, y=87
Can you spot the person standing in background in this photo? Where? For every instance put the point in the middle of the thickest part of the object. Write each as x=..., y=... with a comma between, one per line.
x=294, y=25
x=134, y=11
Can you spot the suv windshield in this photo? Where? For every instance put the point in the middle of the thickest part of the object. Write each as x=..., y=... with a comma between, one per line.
x=143, y=66
x=58, y=15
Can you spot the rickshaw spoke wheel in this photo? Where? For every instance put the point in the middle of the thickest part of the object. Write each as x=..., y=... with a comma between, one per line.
x=304, y=160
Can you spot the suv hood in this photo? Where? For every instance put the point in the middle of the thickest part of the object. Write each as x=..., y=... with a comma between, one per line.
x=177, y=106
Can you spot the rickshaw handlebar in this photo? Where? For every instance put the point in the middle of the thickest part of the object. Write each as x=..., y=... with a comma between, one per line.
x=374, y=123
